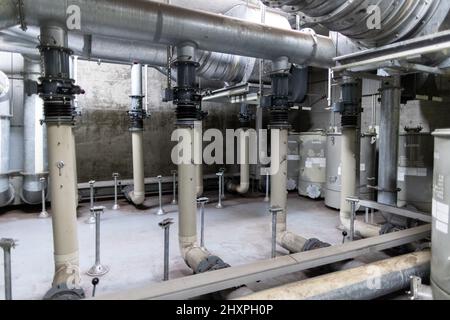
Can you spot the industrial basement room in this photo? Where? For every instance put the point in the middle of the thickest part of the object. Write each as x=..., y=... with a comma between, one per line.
x=226, y=150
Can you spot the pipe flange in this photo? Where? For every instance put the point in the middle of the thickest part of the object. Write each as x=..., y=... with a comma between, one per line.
x=211, y=263
x=62, y=292
x=313, y=244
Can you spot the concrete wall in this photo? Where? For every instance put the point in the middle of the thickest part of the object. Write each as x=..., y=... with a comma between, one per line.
x=103, y=140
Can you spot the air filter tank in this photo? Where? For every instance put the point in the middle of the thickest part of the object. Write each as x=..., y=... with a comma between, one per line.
x=312, y=164
x=333, y=173
x=415, y=169
x=440, y=239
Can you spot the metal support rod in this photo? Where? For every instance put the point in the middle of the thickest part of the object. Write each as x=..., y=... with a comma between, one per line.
x=44, y=213
x=352, y=220
x=219, y=205
x=97, y=269
x=202, y=202
x=267, y=198
x=274, y=211
x=160, y=211
x=91, y=219
x=115, y=206
x=223, y=182
x=165, y=225
x=174, y=174
x=6, y=245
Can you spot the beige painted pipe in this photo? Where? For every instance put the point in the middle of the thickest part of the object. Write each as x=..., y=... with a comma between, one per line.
x=61, y=152
x=187, y=206
x=348, y=186
x=278, y=190
x=198, y=135
x=137, y=196
x=244, y=162
x=365, y=282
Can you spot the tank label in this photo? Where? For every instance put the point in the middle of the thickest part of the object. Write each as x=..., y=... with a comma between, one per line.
x=321, y=162
x=361, y=168
x=439, y=189
x=412, y=172
x=293, y=157
x=437, y=155
x=441, y=214
x=442, y=227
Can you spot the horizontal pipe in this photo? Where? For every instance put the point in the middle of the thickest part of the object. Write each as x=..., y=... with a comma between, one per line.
x=200, y=284
x=143, y=20
x=367, y=282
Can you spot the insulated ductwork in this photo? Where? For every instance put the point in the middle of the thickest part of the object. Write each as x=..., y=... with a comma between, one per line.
x=35, y=138
x=6, y=189
x=367, y=282
x=357, y=19
x=147, y=21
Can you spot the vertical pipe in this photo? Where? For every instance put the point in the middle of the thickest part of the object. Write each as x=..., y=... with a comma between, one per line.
x=348, y=173
x=35, y=163
x=61, y=150
x=6, y=190
x=137, y=196
x=198, y=136
x=278, y=182
x=388, y=141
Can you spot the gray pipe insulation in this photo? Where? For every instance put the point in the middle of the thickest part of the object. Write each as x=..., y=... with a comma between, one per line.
x=213, y=65
x=6, y=189
x=367, y=282
x=35, y=139
x=143, y=20
x=407, y=19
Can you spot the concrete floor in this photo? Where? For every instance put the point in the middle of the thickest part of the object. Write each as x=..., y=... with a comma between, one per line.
x=132, y=242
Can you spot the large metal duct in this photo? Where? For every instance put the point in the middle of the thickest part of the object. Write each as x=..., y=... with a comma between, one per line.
x=35, y=139
x=143, y=20
x=400, y=19
x=6, y=189
x=213, y=65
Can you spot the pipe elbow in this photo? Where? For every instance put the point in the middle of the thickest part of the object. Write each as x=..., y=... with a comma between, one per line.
x=137, y=198
x=199, y=190
x=240, y=188
x=7, y=196
x=32, y=190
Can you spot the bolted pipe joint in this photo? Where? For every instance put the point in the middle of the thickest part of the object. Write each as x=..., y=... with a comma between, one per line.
x=350, y=104
x=56, y=88
x=185, y=95
x=278, y=102
x=137, y=113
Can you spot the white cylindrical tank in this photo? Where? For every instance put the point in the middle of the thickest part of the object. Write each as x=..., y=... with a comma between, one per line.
x=293, y=160
x=311, y=182
x=333, y=171
x=415, y=170
x=440, y=237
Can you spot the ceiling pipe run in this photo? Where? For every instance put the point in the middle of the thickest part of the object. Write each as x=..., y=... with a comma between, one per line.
x=143, y=20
